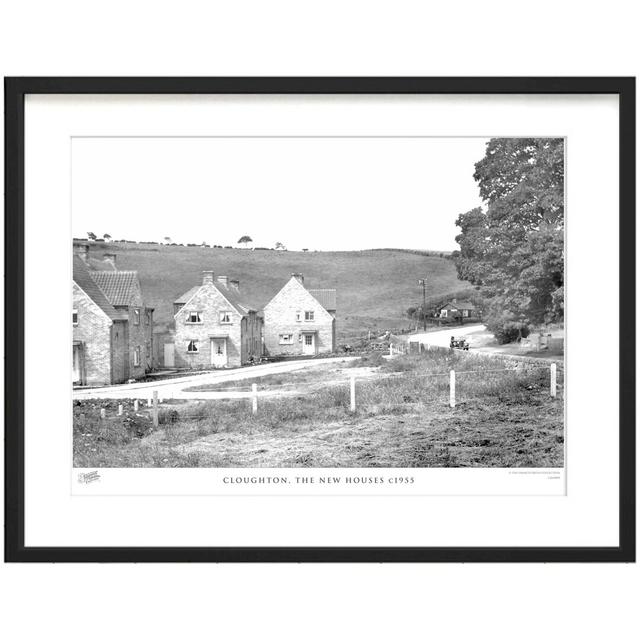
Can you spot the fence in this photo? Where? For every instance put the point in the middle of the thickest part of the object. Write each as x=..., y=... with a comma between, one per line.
x=396, y=388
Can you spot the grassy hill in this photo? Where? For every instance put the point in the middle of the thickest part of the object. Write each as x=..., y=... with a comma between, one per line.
x=374, y=287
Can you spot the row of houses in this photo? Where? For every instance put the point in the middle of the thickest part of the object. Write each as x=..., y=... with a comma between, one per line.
x=213, y=325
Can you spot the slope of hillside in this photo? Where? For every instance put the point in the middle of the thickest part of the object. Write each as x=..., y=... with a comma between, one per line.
x=374, y=287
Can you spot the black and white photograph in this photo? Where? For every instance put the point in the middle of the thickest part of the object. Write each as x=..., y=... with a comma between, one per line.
x=318, y=302
x=365, y=320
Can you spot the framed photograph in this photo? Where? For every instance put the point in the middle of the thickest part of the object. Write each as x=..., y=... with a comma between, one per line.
x=320, y=319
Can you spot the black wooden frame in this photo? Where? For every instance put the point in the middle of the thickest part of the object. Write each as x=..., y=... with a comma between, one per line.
x=15, y=91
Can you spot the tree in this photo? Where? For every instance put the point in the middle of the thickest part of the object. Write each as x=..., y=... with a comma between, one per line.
x=91, y=235
x=513, y=251
x=245, y=240
x=106, y=236
x=167, y=239
x=279, y=245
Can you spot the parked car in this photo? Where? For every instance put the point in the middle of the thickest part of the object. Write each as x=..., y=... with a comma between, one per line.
x=459, y=343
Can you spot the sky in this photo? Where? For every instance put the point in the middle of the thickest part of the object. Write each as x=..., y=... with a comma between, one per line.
x=324, y=193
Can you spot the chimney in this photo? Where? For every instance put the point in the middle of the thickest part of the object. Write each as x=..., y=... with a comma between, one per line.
x=235, y=284
x=454, y=301
x=207, y=277
x=299, y=277
x=110, y=258
x=223, y=280
x=81, y=249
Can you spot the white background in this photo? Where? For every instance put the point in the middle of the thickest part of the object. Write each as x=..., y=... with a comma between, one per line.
x=586, y=516
x=364, y=38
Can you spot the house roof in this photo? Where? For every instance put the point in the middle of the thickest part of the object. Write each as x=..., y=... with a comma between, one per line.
x=119, y=286
x=82, y=277
x=463, y=304
x=241, y=305
x=326, y=297
x=231, y=295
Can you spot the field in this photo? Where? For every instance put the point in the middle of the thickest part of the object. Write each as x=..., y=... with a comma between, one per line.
x=502, y=419
x=374, y=287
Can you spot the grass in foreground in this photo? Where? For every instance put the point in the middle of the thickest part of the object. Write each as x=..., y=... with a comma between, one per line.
x=503, y=419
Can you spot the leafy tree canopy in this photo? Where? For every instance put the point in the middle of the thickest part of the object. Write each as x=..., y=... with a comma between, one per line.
x=245, y=239
x=513, y=250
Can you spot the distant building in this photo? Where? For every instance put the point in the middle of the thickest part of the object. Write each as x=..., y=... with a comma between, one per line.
x=300, y=321
x=214, y=326
x=458, y=309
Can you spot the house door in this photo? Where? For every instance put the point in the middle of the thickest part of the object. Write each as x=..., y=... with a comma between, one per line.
x=219, y=352
x=309, y=344
x=77, y=367
x=169, y=359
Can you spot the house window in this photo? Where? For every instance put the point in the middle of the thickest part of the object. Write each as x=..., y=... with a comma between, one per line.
x=136, y=357
x=465, y=313
x=147, y=316
x=286, y=338
x=192, y=346
x=75, y=317
x=136, y=316
x=225, y=317
x=298, y=316
x=308, y=340
x=194, y=317
x=309, y=315
x=148, y=350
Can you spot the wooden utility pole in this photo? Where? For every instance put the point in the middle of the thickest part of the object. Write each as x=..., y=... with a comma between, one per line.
x=423, y=282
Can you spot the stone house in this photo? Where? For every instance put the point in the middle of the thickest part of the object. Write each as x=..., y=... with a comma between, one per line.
x=99, y=332
x=122, y=289
x=112, y=326
x=215, y=327
x=300, y=321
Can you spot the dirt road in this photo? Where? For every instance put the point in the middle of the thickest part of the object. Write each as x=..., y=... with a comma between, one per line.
x=481, y=340
x=442, y=338
x=174, y=388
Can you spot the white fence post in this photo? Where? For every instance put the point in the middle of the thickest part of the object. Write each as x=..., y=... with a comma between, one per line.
x=353, y=393
x=452, y=388
x=155, y=409
x=119, y=409
x=103, y=413
x=390, y=349
x=136, y=404
x=553, y=380
x=254, y=398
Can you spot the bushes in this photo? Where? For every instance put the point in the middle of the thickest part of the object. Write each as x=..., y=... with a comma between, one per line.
x=507, y=328
x=509, y=331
